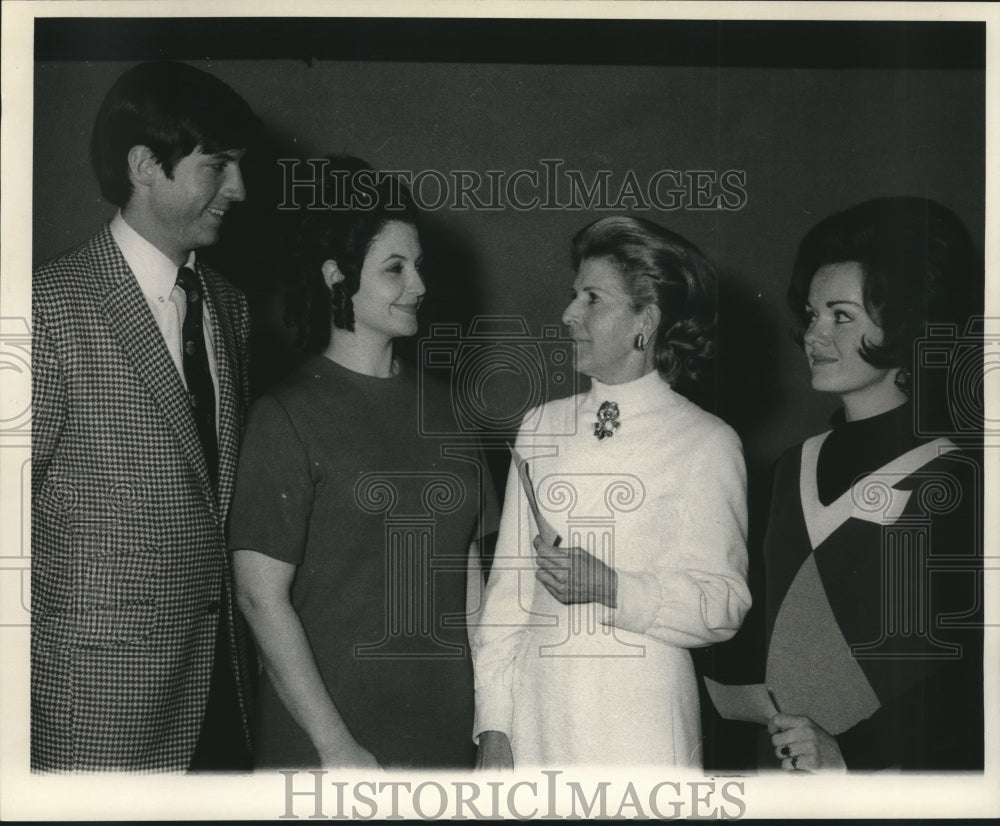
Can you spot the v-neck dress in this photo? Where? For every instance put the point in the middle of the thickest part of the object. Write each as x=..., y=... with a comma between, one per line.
x=873, y=601
x=662, y=502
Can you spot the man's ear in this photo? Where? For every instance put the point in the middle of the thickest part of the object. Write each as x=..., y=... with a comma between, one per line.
x=142, y=165
x=331, y=273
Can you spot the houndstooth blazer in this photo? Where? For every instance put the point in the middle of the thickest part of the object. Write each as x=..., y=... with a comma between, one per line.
x=128, y=554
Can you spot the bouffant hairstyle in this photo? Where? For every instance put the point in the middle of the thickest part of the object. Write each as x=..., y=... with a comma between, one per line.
x=660, y=267
x=173, y=109
x=358, y=202
x=919, y=267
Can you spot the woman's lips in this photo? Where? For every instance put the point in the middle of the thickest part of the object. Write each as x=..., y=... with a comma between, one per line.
x=815, y=360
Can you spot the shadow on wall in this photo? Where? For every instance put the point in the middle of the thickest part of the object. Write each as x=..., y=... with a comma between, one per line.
x=250, y=253
x=453, y=278
x=749, y=337
x=745, y=390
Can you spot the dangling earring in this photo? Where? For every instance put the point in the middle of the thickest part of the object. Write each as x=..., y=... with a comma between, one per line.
x=640, y=342
x=902, y=380
x=339, y=307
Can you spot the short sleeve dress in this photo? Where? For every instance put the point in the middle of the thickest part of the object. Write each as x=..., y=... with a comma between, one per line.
x=338, y=478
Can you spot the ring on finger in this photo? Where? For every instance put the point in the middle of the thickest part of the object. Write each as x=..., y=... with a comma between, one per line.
x=786, y=751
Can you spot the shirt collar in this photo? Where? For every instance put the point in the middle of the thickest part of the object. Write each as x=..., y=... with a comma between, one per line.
x=155, y=273
x=646, y=392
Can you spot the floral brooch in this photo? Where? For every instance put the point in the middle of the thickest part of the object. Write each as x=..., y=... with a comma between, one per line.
x=607, y=421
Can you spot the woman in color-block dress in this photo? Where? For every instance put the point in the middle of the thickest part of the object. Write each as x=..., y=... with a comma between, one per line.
x=873, y=549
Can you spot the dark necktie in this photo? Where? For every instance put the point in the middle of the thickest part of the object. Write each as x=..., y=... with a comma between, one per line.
x=201, y=390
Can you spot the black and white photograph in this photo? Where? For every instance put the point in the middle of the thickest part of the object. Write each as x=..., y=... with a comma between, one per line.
x=498, y=410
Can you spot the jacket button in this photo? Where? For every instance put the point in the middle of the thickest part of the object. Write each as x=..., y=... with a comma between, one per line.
x=212, y=607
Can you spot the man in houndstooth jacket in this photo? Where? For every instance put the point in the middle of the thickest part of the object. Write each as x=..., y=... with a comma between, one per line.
x=137, y=659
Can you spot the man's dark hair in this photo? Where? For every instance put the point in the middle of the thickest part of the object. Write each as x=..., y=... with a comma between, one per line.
x=173, y=109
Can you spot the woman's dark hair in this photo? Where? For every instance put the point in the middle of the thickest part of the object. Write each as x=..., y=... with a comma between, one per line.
x=660, y=267
x=918, y=263
x=357, y=203
x=173, y=109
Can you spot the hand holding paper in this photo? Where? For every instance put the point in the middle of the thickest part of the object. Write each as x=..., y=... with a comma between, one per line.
x=752, y=703
x=545, y=530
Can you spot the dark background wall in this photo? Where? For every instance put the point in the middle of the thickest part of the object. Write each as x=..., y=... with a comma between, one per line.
x=809, y=139
x=817, y=116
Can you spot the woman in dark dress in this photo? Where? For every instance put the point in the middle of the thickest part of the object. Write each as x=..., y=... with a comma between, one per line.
x=873, y=549
x=351, y=529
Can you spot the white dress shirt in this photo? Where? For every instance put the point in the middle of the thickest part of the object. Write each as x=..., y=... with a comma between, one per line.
x=157, y=278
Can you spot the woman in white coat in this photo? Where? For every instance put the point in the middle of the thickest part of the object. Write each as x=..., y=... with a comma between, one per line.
x=580, y=651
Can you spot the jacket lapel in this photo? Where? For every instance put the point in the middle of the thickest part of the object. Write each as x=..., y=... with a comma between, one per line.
x=227, y=371
x=131, y=321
